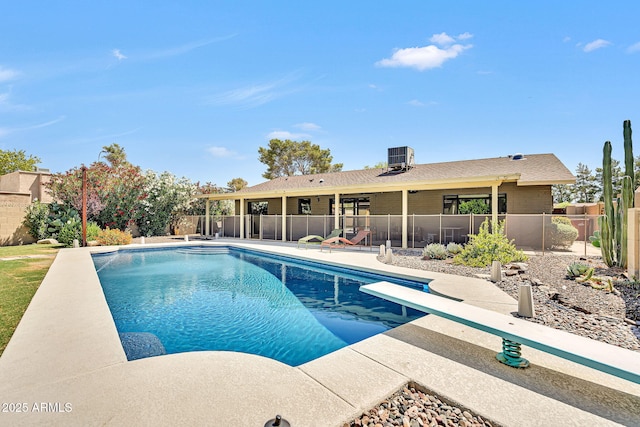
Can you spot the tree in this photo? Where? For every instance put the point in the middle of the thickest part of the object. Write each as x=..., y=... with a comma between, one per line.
x=586, y=188
x=237, y=184
x=15, y=160
x=562, y=193
x=115, y=154
x=288, y=158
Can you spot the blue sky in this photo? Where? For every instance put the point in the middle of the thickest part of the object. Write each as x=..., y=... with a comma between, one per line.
x=195, y=88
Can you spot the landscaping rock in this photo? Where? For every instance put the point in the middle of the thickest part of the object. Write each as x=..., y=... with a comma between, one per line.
x=48, y=242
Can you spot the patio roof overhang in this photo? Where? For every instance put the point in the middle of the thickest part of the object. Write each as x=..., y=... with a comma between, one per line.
x=320, y=189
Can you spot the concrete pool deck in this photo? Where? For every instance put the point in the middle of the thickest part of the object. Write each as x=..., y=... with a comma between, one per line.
x=65, y=366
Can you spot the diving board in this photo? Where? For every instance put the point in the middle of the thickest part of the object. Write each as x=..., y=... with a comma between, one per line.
x=604, y=357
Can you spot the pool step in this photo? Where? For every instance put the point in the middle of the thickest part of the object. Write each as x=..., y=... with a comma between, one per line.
x=204, y=250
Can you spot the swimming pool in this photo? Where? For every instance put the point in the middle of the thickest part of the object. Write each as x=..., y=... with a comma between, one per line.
x=224, y=298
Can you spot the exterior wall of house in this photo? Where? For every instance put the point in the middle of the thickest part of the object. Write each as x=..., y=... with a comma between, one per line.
x=520, y=200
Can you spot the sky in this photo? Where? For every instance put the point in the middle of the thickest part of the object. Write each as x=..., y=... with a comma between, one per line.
x=196, y=87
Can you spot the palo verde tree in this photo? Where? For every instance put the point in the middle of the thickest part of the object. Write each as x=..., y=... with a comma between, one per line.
x=288, y=158
x=15, y=160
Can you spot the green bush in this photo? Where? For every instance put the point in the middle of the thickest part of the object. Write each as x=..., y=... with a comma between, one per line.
x=58, y=217
x=486, y=247
x=453, y=248
x=35, y=219
x=93, y=229
x=563, y=235
x=110, y=237
x=561, y=220
x=435, y=251
x=71, y=230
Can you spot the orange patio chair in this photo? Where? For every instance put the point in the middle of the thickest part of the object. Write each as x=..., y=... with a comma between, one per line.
x=341, y=242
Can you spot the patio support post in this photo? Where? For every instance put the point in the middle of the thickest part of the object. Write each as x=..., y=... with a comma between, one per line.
x=494, y=204
x=242, y=217
x=206, y=218
x=336, y=205
x=284, y=218
x=405, y=210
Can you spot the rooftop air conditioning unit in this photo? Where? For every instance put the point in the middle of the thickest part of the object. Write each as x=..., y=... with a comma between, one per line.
x=400, y=158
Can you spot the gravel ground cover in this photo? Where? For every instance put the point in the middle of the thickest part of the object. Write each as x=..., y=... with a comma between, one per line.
x=560, y=303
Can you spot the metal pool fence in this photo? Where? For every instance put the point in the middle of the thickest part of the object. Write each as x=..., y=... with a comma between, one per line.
x=535, y=232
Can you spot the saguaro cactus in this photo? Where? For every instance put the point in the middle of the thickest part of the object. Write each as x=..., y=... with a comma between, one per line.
x=613, y=225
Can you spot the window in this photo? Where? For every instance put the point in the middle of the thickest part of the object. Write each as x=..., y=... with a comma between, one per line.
x=304, y=206
x=472, y=203
x=259, y=208
x=351, y=206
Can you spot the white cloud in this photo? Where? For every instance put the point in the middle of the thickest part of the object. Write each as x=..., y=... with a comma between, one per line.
x=442, y=39
x=7, y=74
x=118, y=55
x=220, y=152
x=596, y=44
x=4, y=132
x=566, y=39
x=309, y=127
x=634, y=48
x=416, y=103
x=427, y=57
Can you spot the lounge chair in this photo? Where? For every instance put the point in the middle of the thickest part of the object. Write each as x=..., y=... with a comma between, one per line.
x=341, y=242
x=315, y=239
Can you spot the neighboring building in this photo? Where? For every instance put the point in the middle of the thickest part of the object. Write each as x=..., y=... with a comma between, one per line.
x=17, y=191
x=518, y=184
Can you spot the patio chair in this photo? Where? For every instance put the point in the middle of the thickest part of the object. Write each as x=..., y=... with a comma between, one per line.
x=315, y=239
x=341, y=242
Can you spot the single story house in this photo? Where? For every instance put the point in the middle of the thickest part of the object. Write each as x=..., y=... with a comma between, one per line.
x=515, y=184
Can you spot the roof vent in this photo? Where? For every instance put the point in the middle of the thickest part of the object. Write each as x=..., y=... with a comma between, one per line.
x=400, y=158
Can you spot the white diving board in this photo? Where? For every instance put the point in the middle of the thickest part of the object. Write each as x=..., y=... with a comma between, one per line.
x=604, y=357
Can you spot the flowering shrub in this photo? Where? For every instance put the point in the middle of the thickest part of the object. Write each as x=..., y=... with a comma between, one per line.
x=166, y=199
x=111, y=237
x=113, y=192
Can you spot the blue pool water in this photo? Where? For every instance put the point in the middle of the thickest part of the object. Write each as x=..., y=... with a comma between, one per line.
x=212, y=298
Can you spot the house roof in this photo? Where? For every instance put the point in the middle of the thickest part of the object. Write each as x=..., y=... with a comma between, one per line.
x=532, y=169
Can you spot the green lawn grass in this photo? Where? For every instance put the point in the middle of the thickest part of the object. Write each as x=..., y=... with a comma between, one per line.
x=19, y=280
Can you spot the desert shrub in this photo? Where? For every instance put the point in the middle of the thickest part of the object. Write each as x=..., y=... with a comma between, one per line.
x=486, y=247
x=562, y=234
x=110, y=237
x=577, y=269
x=35, y=219
x=561, y=220
x=71, y=230
x=93, y=229
x=453, y=248
x=435, y=251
